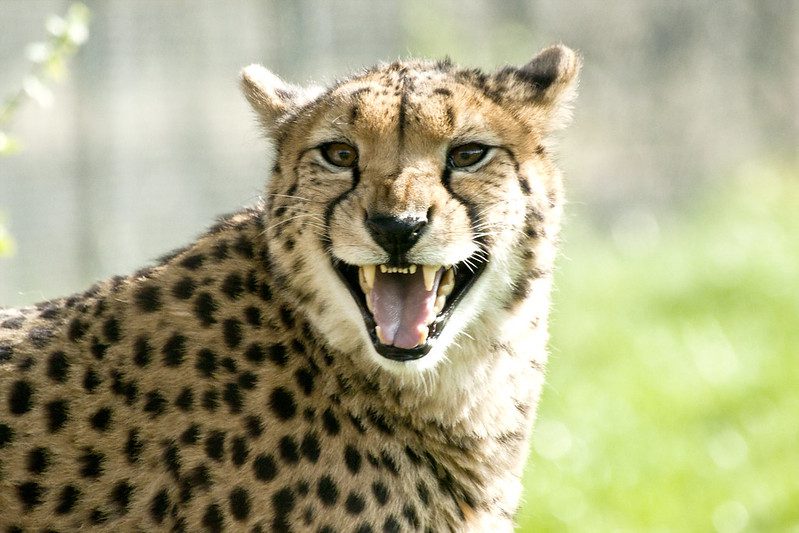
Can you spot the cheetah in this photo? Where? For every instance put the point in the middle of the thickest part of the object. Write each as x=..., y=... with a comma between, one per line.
x=363, y=351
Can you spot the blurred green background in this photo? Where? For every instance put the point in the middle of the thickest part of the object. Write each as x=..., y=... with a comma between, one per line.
x=671, y=402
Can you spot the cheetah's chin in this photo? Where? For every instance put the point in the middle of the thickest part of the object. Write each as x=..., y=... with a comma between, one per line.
x=405, y=308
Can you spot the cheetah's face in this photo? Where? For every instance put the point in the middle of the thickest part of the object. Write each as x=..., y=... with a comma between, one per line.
x=421, y=184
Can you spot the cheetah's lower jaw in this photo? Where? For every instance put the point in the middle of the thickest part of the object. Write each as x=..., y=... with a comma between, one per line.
x=405, y=301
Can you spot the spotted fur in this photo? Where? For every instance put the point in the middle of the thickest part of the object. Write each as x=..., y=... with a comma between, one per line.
x=232, y=386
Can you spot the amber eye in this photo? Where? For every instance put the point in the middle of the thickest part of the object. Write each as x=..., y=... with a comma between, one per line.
x=466, y=155
x=339, y=154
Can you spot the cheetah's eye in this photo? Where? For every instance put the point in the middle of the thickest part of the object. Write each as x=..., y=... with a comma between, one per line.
x=339, y=154
x=466, y=155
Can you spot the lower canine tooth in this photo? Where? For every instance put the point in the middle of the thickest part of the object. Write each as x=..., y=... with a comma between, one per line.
x=447, y=283
x=369, y=304
x=439, y=305
x=379, y=332
x=422, y=335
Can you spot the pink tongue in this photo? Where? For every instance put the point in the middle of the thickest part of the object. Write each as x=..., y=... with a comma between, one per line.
x=402, y=305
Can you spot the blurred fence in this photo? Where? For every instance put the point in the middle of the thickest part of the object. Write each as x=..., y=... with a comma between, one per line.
x=149, y=139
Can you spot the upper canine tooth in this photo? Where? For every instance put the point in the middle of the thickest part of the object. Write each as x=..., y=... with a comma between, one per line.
x=429, y=272
x=368, y=272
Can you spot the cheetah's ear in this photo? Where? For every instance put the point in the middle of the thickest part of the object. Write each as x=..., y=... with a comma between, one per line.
x=549, y=83
x=271, y=97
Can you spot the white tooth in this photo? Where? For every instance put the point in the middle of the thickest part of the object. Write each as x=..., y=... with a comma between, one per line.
x=447, y=283
x=422, y=335
x=369, y=275
x=369, y=304
x=379, y=333
x=383, y=269
x=439, y=305
x=429, y=272
x=412, y=268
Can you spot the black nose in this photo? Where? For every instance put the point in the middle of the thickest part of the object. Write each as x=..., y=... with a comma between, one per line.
x=395, y=235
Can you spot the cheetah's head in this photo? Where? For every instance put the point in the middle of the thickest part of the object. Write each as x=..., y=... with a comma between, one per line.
x=413, y=198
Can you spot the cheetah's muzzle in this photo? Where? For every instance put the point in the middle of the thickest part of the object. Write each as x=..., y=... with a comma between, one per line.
x=406, y=308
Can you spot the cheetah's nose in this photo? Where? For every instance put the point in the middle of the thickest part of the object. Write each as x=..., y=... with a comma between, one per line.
x=394, y=234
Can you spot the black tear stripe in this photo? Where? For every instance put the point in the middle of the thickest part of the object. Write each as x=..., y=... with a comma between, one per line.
x=356, y=179
x=471, y=210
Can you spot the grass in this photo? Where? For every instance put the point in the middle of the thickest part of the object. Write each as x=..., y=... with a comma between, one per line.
x=673, y=391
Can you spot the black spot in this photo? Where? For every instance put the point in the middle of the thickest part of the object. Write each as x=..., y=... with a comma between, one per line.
x=38, y=460
x=174, y=350
x=20, y=400
x=264, y=292
x=6, y=351
x=424, y=493
x=98, y=348
x=330, y=423
x=231, y=332
x=185, y=400
x=287, y=317
x=413, y=456
x=357, y=423
x=247, y=380
x=278, y=355
x=229, y=364
x=30, y=494
x=204, y=307
x=215, y=445
x=6, y=435
x=57, y=413
x=354, y=503
x=379, y=421
x=67, y=499
x=183, y=289
x=364, y=528
x=380, y=492
x=192, y=262
x=91, y=380
x=239, y=503
x=121, y=387
x=374, y=461
x=155, y=403
x=264, y=467
x=13, y=323
x=282, y=403
x=310, y=447
x=50, y=313
x=244, y=247
x=58, y=366
x=254, y=426
x=289, y=450
x=255, y=353
x=303, y=488
x=26, y=364
x=389, y=462
x=148, y=298
x=442, y=91
x=210, y=400
x=283, y=501
x=91, y=463
x=352, y=458
x=239, y=451
x=391, y=525
x=409, y=512
x=232, y=397
x=101, y=419
x=77, y=329
x=309, y=413
x=121, y=494
x=253, y=316
x=305, y=380
x=40, y=337
x=159, y=506
x=142, y=352
x=191, y=435
x=98, y=516
x=206, y=362
x=221, y=250
x=233, y=285
x=327, y=491
x=171, y=459
x=133, y=446
x=213, y=519
x=111, y=330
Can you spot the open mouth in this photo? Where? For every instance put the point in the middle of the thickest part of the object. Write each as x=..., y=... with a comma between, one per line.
x=405, y=308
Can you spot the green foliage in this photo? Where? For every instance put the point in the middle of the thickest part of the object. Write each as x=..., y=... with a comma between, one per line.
x=671, y=403
x=48, y=58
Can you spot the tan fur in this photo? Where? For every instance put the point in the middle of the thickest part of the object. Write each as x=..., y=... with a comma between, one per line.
x=296, y=422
